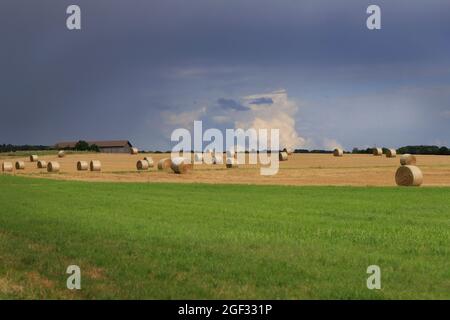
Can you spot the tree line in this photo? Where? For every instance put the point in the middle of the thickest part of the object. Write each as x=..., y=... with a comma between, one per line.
x=84, y=146
x=79, y=146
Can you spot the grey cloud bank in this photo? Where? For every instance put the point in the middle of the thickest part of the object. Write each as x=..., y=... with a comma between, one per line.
x=136, y=65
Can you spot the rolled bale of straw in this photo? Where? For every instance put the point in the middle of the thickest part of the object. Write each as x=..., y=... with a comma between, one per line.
x=164, y=164
x=34, y=158
x=338, y=152
x=134, y=150
x=41, y=164
x=7, y=167
x=217, y=159
x=95, y=165
x=283, y=156
x=20, y=165
x=408, y=176
x=391, y=153
x=231, y=154
x=377, y=151
x=208, y=157
x=198, y=157
x=82, y=165
x=231, y=163
x=180, y=165
x=407, y=159
x=53, y=166
x=142, y=165
x=61, y=153
x=150, y=161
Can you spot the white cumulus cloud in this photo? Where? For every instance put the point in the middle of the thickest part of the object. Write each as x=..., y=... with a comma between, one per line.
x=272, y=110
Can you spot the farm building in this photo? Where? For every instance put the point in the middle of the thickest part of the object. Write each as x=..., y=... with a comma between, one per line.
x=106, y=146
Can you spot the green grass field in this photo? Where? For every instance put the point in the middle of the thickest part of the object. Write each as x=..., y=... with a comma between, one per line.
x=169, y=241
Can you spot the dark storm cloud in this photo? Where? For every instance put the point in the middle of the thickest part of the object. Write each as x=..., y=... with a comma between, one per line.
x=134, y=59
x=231, y=104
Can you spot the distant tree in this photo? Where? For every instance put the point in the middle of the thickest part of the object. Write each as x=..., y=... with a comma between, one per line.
x=94, y=147
x=82, y=146
x=362, y=151
x=14, y=148
x=444, y=150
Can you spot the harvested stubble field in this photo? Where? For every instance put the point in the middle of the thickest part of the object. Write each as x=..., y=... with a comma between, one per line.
x=300, y=169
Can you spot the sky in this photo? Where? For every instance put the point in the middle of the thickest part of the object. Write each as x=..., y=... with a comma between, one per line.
x=138, y=69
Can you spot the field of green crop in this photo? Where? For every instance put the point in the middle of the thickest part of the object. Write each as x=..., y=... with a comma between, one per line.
x=189, y=241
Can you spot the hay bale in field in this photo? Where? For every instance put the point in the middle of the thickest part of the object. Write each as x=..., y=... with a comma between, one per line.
x=289, y=151
x=7, y=167
x=61, y=153
x=134, y=150
x=20, y=165
x=150, y=161
x=142, y=165
x=41, y=164
x=53, y=166
x=82, y=165
x=217, y=159
x=282, y=156
x=34, y=158
x=338, y=152
x=231, y=154
x=407, y=159
x=408, y=176
x=95, y=165
x=391, y=153
x=377, y=152
x=164, y=163
x=180, y=165
x=231, y=163
x=208, y=157
x=198, y=157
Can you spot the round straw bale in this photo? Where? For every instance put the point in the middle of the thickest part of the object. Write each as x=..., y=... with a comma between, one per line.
x=231, y=163
x=134, y=150
x=150, y=161
x=391, y=153
x=7, y=167
x=33, y=158
x=82, y=165
x=61, y=153
x=53, y=166
x=408, y=176
x=217, y=159
x=20, y=165
x=407, y=159
x=231, y=154
x=164, y=163
x=95, y=165
x=377, y=151
x=198, y=157
x=142, y=165
x=283, y=156
x=338, y=152
x=179, y=165
x=208, y=157
x=41, y=164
